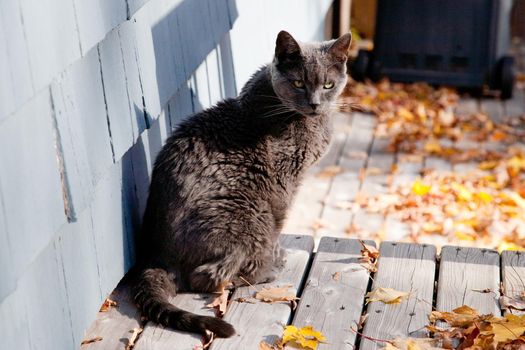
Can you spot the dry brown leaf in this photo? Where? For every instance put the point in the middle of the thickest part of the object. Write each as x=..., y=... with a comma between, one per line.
x=134, y=336
x=336, y=276
x=386, y=295
x=508, y=303
x=369, y=256
x=220, y=302
x=412, y=344
x=265, y=346
x=374, y=171
x=276, y=294
x=92, y=340
x=362, y=321
x=107, y=304
x=329, y=172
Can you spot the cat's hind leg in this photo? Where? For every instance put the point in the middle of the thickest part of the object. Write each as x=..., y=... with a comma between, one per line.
x=211, y=276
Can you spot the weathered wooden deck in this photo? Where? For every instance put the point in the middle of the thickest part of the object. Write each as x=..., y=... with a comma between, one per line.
x=332, y=285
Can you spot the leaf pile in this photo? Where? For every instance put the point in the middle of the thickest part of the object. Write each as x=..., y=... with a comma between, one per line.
x=485, y=206
x=470, y=330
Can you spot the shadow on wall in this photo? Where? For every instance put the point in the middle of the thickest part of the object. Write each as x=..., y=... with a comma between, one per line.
x=192, y=65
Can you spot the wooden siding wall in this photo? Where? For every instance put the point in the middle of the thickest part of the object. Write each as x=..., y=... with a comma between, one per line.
x=89, y=91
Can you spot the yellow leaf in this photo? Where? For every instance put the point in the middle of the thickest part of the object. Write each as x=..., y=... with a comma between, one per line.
x=462, y=192
x=484, y=196
x=504, y=245
x=464, y=236
x=420, y=189
x=430, y=227
x=405, y=114
x=386, y=295
x=488, y=165
x=306, y=336
x=433, y=146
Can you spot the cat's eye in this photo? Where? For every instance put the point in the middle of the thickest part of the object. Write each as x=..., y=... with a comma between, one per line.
x=328, y=85
x=298, y=84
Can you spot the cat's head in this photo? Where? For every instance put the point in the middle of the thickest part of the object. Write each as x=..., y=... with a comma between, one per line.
x=308, y=77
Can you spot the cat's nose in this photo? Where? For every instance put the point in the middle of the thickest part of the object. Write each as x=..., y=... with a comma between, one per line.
x=314, y=106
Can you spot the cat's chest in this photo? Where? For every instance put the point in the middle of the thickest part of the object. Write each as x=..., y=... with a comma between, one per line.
x=302, y=144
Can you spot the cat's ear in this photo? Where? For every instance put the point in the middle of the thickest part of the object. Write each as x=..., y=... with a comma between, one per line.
x=340, y=47
x=286, y=47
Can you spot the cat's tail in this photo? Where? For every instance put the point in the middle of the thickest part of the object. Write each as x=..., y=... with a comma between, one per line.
x=151, y=291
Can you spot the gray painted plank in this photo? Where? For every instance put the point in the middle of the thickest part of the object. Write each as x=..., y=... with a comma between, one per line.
x=30, y=186
x=83, y=127
x=21, y=81
x=96, y=18
x=78, y=259
x=7, y=100
x=227, y=69
x=332, y=300
x=464, y=273
x=513, y=275
x=263, y=321
x=9, y=276
x=112, y=228
x=181, y=105
x=116, y=95
x=52, y=40
x=42, y=287
x=407, y=268
x=114, y=325
x=127, y=34
x=15, y=333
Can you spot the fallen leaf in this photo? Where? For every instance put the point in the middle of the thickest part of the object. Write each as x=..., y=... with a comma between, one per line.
x=134, y=336
x=329, y=172
x=307, y=336
x=412, y=344
x=420, y=189
x=362, y=321
x=220, y=302
x=374, y=171
x=92, y=340
x=508, y=303
x=336, y=276
x=265, y=346
x=107, y=304
x=386, y=295
x=369, y=256
x=275, y=294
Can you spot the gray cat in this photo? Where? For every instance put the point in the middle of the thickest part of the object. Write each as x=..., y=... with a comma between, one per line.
x=223, y=182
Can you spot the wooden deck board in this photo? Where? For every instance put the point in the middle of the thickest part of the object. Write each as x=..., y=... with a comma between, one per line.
x=263, y=321
x=332, y=300
x=158, y=337
x=468, y=276
x=345, y=186
x=116, y=325
x=513, y=275
x=408, y=268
